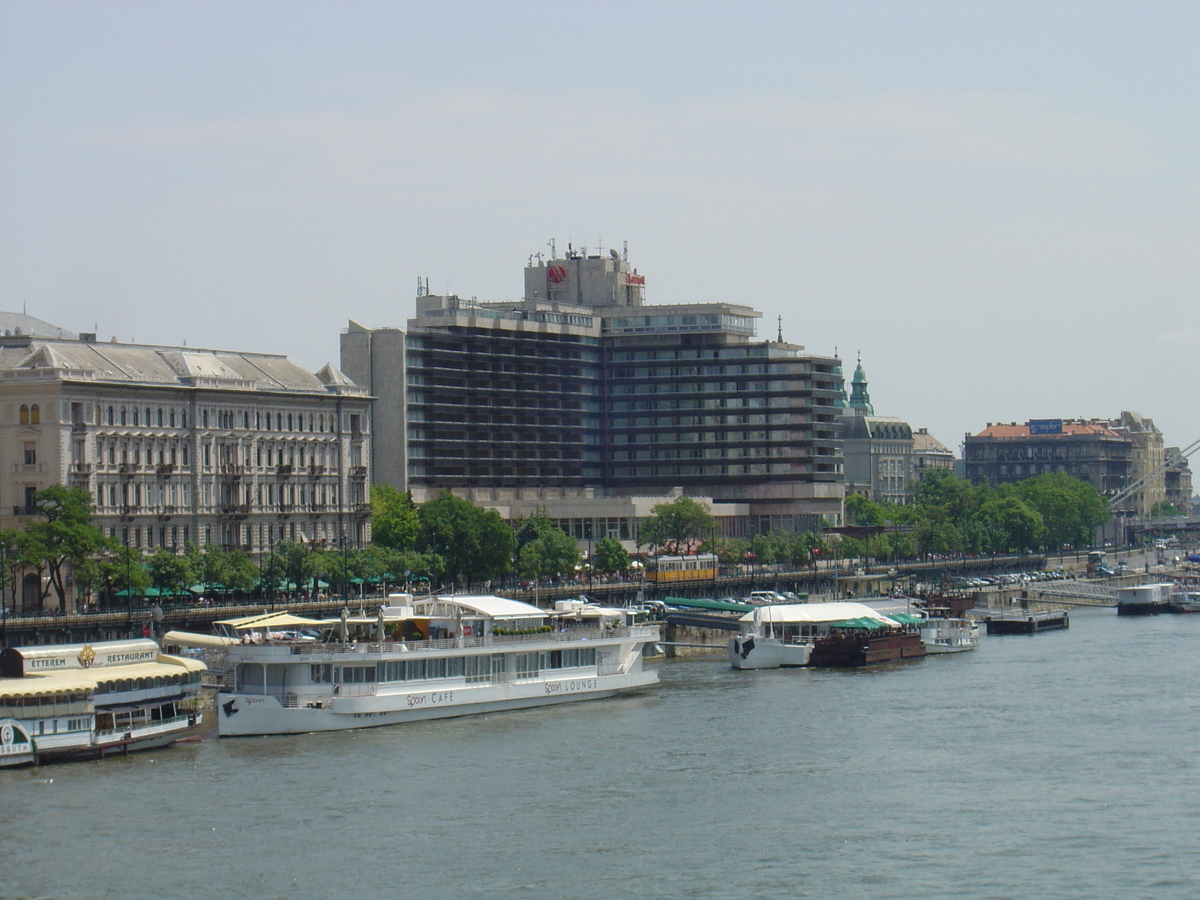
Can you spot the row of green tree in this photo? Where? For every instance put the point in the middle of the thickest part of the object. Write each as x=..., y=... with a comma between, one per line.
x=950, y=515
x=450, y=541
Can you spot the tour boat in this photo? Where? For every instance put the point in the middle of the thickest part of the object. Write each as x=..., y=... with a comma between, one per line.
x=441, y=657
x=784, y=635
x=949, y=635
x=66, y=700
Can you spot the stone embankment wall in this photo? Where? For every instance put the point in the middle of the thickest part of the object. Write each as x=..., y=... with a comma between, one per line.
x=694, y=640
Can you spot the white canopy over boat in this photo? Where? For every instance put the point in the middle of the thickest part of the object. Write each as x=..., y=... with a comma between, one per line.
x=482, y=604
x=812, y=613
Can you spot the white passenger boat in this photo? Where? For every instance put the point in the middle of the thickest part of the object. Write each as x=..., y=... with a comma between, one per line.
x=949, y=635
x=446, y=656
x=783, y=635
x=64, y=700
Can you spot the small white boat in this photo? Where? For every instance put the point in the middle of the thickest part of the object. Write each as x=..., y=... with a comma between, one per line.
x=947, y=635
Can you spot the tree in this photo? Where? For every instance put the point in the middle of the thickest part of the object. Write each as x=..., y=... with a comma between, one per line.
x=544, y=549
x=729, y=551
x=241, y=574
x=64, y=539
x=945, y=491
x=468, y=543
x=294, y=563
x=394, y=520
x=1009, y=523
x=169, y=573
x=120, y=571
x=677, y=527
x=863, y=511
x=611, y=556
x=1071, y=509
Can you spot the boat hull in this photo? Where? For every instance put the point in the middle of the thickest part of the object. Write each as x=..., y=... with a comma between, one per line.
x=26, y=748
x=852, y=651
x=754, y=652
x=244, y=715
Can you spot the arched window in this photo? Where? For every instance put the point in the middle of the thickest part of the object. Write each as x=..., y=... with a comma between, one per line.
x=135, y=416
x=204, y=418
x=111, y=420
x=123, y=415
x=289, y=421
x=35, y=415
x=148, y=416
x=24, y=414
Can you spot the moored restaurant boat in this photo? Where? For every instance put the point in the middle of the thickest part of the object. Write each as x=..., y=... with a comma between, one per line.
x=441, y=657
x=67, y=700
x=822, y=634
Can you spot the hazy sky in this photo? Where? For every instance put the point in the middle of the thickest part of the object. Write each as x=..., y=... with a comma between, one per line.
x=997, y=203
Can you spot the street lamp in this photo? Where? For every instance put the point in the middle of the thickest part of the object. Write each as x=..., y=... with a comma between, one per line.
x=3, y=604
x=345, y=568
x=128, y=580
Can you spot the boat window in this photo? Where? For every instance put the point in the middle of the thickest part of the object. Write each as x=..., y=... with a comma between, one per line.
x=525, y=665
x=320, y=673
x=250, y=675
x=357, y=674
x=585, y=656
x=478, y=669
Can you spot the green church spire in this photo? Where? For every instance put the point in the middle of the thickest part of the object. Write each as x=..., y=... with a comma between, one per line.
x=859, y=398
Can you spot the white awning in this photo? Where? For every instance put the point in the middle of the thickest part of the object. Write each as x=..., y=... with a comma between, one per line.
x=191, y=639
x=480, y=604
x=812, y=613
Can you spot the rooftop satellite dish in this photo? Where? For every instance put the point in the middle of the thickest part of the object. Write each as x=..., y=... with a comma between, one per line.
x=614, y=254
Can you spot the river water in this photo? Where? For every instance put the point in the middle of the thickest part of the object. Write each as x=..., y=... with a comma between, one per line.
x=1062, y=765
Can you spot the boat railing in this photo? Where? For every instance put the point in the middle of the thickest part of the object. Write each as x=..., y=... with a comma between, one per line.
x=459, y=643
x=144, y=729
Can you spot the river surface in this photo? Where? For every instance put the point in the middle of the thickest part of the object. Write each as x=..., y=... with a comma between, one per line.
x=1062, y=765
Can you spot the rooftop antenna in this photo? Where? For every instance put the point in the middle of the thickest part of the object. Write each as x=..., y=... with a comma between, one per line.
x=780, y=335
x=625, y=250
x=553, y=252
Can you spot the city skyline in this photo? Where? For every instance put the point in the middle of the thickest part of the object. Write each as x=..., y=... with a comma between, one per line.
x=996, y=204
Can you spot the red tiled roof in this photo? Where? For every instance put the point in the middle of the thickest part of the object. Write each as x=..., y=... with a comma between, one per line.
x=1068, y=428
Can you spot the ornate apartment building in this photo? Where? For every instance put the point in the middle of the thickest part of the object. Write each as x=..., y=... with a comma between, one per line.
x=879, y=450
x=183, y=445
x=1088, y=450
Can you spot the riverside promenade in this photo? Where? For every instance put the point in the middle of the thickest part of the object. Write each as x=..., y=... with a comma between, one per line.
x=826, y=581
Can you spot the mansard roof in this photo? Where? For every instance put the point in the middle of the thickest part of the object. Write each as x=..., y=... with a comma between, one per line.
x=147, y=365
